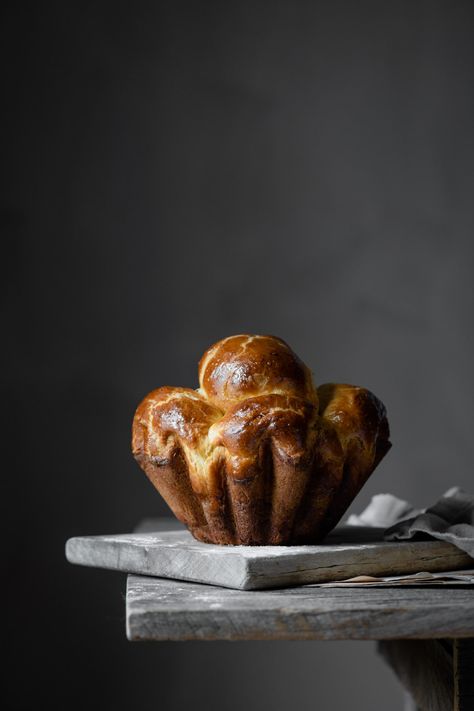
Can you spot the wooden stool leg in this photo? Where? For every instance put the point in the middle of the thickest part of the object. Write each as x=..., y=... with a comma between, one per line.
x=463, y=667
x=408, y=702
x=425, y=669
x=438, y=673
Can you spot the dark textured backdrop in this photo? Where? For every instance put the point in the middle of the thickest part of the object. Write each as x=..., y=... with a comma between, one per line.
x=177, y=172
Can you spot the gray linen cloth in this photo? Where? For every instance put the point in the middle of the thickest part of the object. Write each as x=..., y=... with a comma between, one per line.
x=450, y=519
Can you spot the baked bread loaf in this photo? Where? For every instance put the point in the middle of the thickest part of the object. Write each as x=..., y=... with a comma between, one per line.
x=258, y=455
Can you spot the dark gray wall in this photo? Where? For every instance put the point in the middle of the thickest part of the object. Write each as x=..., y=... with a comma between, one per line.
x=177, y=172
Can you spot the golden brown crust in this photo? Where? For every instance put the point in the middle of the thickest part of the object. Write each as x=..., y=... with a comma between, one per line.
x=245, y=366
x=257, y=455
x=360, y=420
x=268, y=441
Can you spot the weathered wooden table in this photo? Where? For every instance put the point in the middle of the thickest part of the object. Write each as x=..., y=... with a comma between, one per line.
x=425, y=634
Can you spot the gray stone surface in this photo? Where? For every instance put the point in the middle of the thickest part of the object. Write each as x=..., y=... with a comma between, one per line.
x=160, y=609
x=349, y=551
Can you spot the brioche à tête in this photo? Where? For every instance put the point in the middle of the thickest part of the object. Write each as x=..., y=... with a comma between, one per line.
x=258, y=455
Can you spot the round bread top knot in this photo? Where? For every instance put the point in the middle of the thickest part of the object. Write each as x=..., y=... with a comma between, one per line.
x=246, y=366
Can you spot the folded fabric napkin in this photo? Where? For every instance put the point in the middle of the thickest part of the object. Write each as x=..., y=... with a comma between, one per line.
x=450, y=519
